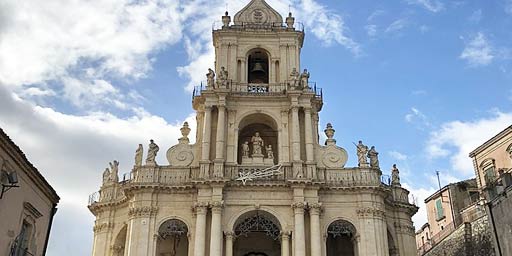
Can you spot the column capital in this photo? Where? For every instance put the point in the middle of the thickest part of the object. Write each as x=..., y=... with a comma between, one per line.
x=221, y=107
x=207, y=107
x=285, y=235
x=217, y=206
x=299, y=206
x=315, y=208
x=201, y=207
x=307, y=108
x=229, y=234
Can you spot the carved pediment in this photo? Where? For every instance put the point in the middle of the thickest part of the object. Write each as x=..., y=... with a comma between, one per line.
x=257, y=12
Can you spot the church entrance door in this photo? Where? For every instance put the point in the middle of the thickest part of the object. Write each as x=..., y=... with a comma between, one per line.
x=257, y=235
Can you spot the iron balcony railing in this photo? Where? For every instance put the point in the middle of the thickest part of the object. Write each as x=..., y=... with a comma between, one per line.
x=272, y=26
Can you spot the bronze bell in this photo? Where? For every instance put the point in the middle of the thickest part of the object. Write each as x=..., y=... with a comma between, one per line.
x=258, y=68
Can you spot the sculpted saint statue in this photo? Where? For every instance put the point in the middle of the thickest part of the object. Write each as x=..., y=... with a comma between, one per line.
x=210, y=79
x=294, y=77
x=270, y=153
x=152, y=150
x=374, y=157
x=395, y=176
x=138, y=155
x=362, y=150
x=245, y=149
x=304, y=77
x=257, y=144
x=106, y=176
x=114, y=169
x=223, y=77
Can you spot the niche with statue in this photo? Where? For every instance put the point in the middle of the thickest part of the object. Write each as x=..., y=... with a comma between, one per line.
x=258, y=143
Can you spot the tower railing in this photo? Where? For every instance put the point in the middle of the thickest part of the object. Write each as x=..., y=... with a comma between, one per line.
x=272, y=26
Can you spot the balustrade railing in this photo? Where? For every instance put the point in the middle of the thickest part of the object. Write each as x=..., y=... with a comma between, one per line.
x=162, y=175
x=352, y=177
x=297, y=26
x=263, y=89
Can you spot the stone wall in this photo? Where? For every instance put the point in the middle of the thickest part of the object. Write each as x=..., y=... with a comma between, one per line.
x=503, y=220
x=469, y=239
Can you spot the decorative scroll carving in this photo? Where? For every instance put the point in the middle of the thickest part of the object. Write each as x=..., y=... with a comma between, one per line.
x=143, y=211
x=341, y=228
x=330, y=155
x=172, y=228
x=181, y=155
x=257, y=223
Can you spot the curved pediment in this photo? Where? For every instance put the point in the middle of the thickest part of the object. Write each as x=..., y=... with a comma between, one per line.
x=257, y=12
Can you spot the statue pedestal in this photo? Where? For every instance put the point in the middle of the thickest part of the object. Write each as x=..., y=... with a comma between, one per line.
x=257, y=160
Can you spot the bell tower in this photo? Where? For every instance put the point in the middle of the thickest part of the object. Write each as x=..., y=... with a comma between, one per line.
x=257, y=109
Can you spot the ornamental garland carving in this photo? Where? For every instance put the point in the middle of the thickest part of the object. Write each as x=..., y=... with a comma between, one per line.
x=257, y=12
x=370, y=212
x=102, y=227
x=142, y=211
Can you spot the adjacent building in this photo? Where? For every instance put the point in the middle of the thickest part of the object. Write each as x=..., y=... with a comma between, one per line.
x=492, y=162
x=257, y=181
x=27, y=203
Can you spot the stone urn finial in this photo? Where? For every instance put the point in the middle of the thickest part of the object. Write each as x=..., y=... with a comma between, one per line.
x=329, y=132
x=185, y=131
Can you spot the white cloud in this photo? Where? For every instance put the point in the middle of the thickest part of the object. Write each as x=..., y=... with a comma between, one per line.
x=419, y=195
x=49, y=41
x=457, y=139
x=397, y=155
x=396, y=25
x=415, y=116
x=478, y=51
x=81, y=147
x=371, y=30
x=431, y=5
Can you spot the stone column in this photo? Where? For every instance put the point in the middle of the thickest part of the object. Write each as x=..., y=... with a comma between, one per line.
x=314, y=217
x=285, y=244
x=205, y=150
x=139, y=232
x=216, y=233
x=308, y=129
x=295, y=134
x=300, y=241
x=219, y=146
x=229, y=243
x=200, y=236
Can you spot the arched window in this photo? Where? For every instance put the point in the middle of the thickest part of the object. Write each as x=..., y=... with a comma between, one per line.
x=172, y=238
x=340, y=239
x=488, y=168
x=258, y=67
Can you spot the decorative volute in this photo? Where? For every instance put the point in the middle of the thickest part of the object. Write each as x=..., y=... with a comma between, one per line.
x=258, y=12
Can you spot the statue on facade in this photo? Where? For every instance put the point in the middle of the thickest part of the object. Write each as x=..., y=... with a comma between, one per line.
x=106, y=176
x=210, y=79
x=304, y=77
x=114, y=169
x=362, y=150
x=245, y=149
x=294, y=77
x=374, y=157
x=257, y=144
x=223, y=77
x=270, y=153
x=395, y=176
x=138, y=155
x=152, y=151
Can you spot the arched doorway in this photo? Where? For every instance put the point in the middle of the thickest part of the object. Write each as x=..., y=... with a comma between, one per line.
x=262, y=126
x=257, y=233
x=119, y=243
x=172, y=239
x=340, y=239
x=258, y=71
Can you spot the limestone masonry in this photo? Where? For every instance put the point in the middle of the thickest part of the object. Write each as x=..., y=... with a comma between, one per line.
x=257, y=181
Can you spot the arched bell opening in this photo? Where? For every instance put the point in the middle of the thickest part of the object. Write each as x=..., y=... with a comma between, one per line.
x=341, y=239
x=172, y=239
x=258, y=140
x=258, y=66
x=257, y=233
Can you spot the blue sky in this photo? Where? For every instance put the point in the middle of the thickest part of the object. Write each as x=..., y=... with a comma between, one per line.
x=82, y=83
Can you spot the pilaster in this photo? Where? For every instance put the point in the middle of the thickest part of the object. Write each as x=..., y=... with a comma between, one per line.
x=201, y=209
x=216, y=232
x=300, y=240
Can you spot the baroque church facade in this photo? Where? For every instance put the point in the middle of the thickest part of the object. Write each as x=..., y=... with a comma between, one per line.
x=257, y=181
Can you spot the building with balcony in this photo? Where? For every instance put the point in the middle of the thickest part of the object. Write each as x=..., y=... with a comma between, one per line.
x=492, y=162
x=27, y=203
x=257, y=181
